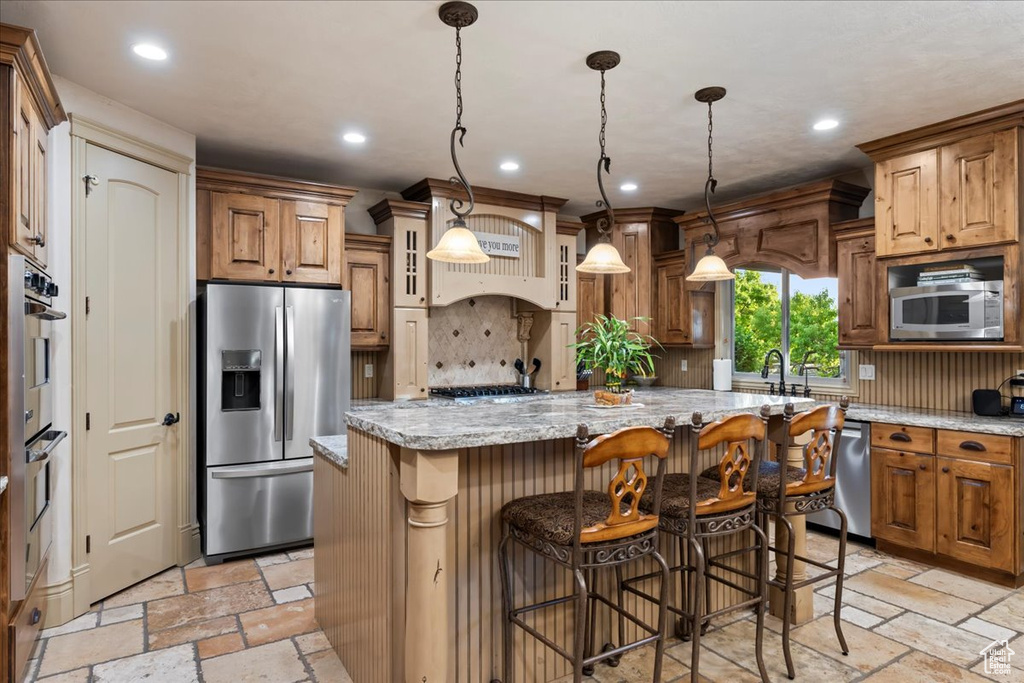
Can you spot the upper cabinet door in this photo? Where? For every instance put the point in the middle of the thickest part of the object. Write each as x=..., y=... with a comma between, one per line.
x=312, y=242
x=40, y=221
x=978, y=198
x=672, y=324
x=590, y=300
x=24, y=142
x=246, y=237
x=371, y=297
x=855, y=262
x=631, y=292
x=906, y=201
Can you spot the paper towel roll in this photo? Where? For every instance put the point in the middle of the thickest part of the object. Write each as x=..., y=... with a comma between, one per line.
x=723, y=374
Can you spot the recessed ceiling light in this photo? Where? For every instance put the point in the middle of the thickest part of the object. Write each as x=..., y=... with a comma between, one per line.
x=826, y=124
x=149, y=51
x=354, y=138
x=628, y=187
x=509, y=166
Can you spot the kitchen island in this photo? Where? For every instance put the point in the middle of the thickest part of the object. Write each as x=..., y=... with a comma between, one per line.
x=406, y=525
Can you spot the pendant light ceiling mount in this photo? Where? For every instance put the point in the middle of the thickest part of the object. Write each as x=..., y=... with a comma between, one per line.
x=711, y=267
x=458, y=244
x=603, y=257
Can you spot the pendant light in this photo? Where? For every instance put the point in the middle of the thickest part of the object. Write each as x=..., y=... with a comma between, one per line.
x=603, y=257
x=458, y=244
x=711, y=267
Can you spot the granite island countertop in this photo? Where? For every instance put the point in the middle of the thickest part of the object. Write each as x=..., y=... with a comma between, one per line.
x=444, y=424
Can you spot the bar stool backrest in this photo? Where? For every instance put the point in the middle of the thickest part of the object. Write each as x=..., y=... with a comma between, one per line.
x=735, y=433
x=825, y=423
x=630, y=446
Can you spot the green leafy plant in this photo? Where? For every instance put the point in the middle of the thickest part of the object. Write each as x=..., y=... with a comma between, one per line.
x=608, y=344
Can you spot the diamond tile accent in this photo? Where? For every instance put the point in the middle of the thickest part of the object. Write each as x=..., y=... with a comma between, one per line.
x=487, y=333
x=486, y=336
x=439, y=365
x=472, y=363
x=455, y=333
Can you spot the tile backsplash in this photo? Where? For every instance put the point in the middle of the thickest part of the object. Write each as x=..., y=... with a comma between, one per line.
x=473, y=341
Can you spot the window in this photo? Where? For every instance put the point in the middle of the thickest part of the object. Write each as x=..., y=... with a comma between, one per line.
x=778, y=309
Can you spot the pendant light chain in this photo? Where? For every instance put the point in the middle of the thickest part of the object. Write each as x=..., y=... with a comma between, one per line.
x=456, y=204
x=604, y=225
x=711, y=239
x=458, y=77
x=711, y=173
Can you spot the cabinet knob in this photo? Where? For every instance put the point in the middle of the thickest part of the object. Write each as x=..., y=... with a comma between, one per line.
x=945, y=470
x=271, y=271
x=927, y=240
x=558, y=384
x=383, y=335
x=950, y=237
x=923, y=467
x=288, y=272
x=422, y=299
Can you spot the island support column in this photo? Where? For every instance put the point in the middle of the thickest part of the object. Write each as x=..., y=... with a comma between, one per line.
x=428, y=480
x=803, y=600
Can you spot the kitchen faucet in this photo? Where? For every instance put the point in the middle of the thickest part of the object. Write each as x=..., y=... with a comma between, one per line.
x=782, y=371
x=804, y=367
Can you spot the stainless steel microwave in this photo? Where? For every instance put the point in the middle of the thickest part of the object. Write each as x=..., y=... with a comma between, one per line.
x=968, y=310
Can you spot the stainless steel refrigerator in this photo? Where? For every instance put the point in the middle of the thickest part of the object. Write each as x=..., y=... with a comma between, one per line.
x=273, y=372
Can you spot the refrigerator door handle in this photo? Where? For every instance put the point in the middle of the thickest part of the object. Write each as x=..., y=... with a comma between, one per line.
x=289, y=368
x=279, y=352
x=248, y=471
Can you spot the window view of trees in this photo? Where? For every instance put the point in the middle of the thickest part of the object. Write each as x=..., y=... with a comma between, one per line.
x=812, y=311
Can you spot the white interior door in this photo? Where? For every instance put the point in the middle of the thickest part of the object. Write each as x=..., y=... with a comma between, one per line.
x=132, y=364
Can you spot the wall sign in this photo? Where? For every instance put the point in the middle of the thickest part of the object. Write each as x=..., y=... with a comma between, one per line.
x=498, y=245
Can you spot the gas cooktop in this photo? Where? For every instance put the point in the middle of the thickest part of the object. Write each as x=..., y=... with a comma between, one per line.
x=486, y=391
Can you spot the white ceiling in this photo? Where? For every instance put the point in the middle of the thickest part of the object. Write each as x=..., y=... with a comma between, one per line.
x=271, y=86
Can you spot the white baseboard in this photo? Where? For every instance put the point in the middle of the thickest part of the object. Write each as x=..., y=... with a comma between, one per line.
x=189, y=546
x=60, y=603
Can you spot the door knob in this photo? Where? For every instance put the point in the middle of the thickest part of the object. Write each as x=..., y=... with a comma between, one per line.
x=171, y=419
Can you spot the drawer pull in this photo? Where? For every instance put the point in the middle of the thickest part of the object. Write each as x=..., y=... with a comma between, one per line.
x=945, y=470
x=36, y=616
x=972, y=446
x=900, y=436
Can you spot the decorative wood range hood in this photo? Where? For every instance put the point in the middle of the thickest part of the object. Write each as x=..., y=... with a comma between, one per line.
x=524, y=246
x=533, y=260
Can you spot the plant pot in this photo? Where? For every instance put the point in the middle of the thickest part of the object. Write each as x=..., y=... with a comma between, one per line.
x=613, y=382
x=642, y=381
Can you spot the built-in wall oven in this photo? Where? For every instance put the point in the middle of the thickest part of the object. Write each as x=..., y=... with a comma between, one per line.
x=32, y=437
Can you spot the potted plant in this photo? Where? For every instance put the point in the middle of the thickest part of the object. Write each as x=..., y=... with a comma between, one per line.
x=608, y=344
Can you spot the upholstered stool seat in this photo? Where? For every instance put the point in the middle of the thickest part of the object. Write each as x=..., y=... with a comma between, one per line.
x=551, y=516
x=675, y=494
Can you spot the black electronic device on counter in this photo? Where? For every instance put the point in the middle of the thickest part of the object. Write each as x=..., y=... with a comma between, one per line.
x=1017, y=406
x=989, y=402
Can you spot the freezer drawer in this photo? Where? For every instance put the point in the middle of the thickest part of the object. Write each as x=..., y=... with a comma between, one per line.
x=255, y=506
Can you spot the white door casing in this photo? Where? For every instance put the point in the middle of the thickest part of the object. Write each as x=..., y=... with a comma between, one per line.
x=133, y=357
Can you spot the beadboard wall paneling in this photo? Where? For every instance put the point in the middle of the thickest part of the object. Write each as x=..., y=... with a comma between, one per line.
x=932, y=380
x=362, y=386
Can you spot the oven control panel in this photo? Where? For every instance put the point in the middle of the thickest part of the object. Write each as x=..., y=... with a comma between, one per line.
x=39, y=284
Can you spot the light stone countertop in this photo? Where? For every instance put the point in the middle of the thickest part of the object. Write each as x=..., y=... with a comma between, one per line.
x=334, y=448
x=444, y=425
x=938, y=419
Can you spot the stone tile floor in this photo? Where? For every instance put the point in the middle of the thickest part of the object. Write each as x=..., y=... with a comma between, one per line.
x=252, y=620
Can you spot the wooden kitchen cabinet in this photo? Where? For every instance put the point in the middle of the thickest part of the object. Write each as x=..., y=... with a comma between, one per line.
x=685, y=315
x=367, y=275
x=903, y=498
x=31, y=109
x=639, y=235
x=405, y=368
x=907, y=204
x=553, y=333
x=590, y=296
x=956, y=502
x=265, y=229
x=855, y=269
x=950, y=185
x=978, y=190
x=975, y=514
x=246, y=237
x=312, y=242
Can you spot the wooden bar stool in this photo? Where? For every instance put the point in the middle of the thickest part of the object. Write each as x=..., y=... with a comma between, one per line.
x=802, y=491
x=587, y=530
x=696, y=510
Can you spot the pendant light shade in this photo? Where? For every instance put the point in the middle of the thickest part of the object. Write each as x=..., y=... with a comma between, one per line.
x=710, y=268
x=603, y=258
x=458, y=244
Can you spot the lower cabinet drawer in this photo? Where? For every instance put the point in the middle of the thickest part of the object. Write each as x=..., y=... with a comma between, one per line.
x=25, y=625
x=903, y=438
x=986, y=447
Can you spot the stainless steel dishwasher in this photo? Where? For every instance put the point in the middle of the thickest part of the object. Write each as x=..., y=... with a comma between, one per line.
x=853, y=490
